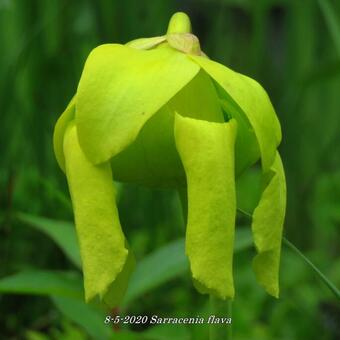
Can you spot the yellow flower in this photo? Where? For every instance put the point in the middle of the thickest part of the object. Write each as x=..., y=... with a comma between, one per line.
x=158, y=112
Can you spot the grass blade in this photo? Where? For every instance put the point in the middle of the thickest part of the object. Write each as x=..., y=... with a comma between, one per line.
x=43, y=282
x=61, y=232
x=326, y=281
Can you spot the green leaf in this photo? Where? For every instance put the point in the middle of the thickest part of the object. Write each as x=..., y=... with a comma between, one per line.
x=149, y=274
x=157, y=268
x=207, y=152
x=43, y=282
x=267, y=226
x=250, y=101
x=61, y=232
x=102, y=242
x=120, y=89
x=84, y=315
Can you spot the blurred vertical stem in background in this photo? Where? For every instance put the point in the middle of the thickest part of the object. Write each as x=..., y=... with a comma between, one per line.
x=220, y=309
x=331, y=21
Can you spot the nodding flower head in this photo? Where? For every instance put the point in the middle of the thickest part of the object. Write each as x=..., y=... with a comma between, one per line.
x=158, y=112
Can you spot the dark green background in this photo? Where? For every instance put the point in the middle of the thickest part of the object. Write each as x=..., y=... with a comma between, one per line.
x=291, y=47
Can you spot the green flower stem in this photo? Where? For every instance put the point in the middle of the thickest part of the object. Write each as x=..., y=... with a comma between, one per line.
x=221, y=309
x=290, y=245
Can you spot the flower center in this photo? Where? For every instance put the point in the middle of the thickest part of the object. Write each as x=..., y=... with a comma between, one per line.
x=179, y=35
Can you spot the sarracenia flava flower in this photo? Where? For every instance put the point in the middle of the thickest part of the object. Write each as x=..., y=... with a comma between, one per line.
x=157, y=111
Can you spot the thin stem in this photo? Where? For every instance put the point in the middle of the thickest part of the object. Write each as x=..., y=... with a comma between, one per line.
x=246, y=213
x=290, y=245
x=327, y=282
x=220, y=309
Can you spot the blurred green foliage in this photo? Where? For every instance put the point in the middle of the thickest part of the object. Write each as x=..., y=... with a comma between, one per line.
x=291, y=47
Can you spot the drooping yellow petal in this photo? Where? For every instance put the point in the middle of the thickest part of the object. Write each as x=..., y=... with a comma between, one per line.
x=247, y=150
x=207, y=152
x=268, y=219
x=115, y=294
x=252, y=101
x=101, y=240
x=198, y=99
x=120, y=89
x=246, y=101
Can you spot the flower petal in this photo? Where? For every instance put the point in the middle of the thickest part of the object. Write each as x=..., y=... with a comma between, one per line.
x=101, y=240
x=120, y=89
x=207, y=152
x=246, y=148
x=252, y=101
x=198, y=100
x=268, y=219
x=146, y=43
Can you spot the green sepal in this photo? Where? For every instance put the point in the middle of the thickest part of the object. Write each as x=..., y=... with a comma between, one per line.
x=184, y=42
x=101, y=240
x=207, y=153
x=120, y=89
x=267, y=226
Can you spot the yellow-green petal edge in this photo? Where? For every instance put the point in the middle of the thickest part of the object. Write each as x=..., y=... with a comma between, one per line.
x=253, y=101
x=267, y=226
x=207, y=152
x=101, y=240
x=120, y=89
